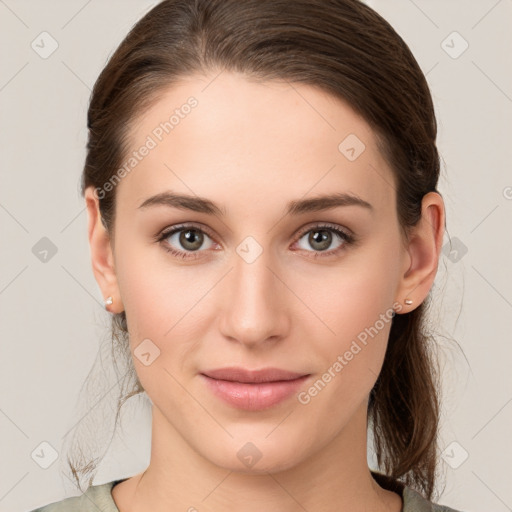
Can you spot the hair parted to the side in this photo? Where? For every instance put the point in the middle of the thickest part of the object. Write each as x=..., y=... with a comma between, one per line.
x=348, y=50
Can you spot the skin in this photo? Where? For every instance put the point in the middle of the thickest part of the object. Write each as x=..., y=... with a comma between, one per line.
x=252, y=147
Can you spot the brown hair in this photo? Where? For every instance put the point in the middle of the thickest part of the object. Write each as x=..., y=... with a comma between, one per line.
x=348, y=50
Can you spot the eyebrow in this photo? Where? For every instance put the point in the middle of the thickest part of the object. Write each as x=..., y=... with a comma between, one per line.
x=297, y=207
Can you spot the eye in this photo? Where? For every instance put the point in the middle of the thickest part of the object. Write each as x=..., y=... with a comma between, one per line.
x=322, y=236
x=185, y=241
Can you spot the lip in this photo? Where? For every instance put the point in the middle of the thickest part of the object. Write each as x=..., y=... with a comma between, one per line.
x=253, y=390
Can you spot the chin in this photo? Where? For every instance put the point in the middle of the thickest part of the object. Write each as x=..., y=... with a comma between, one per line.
x=258, y=454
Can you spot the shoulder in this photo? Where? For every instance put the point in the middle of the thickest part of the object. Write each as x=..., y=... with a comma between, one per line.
x=415, y=502
x=97, y=498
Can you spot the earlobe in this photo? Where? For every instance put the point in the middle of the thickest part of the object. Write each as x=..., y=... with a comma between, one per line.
x=424, y=249
x=102, y=258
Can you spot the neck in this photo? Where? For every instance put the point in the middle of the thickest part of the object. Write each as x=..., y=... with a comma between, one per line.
x=333, y=479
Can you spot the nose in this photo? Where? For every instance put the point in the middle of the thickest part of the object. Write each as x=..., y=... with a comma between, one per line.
x=254, y=311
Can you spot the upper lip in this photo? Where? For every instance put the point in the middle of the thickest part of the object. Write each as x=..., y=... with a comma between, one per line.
x=243, y=375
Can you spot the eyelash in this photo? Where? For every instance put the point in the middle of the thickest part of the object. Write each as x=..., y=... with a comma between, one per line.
x=347, y=238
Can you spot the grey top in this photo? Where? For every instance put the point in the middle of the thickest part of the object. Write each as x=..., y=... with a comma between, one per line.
x=98, y=498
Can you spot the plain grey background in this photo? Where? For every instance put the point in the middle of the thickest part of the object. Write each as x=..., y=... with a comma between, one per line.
x=51, y=315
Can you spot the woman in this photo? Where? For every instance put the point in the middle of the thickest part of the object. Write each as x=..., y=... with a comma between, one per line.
x=265, y=228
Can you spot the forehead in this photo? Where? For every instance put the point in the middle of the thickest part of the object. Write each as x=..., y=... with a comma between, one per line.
x=232, y=137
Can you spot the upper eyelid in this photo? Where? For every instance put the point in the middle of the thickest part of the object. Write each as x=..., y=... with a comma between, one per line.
x=180, y=227
x=324, y=225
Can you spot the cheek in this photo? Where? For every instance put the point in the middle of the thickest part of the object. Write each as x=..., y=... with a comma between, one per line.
x=353, y=307
x=162, y=322
x=155, y=292
x=350, y=358
x=346, y=300
x=165, y=304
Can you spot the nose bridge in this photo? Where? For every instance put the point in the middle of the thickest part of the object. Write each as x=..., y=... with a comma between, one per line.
x=255, y=310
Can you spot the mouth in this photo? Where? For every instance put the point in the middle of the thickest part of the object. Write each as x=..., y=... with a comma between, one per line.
x=253, y=390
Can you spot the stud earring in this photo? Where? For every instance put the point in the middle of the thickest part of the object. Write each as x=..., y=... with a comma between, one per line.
x=108, y=301
x=408, y=301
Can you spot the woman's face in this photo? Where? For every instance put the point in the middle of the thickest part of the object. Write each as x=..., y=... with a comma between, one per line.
x=251, y=280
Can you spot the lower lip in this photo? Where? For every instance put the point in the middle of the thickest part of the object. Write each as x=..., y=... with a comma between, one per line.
x=256, y=396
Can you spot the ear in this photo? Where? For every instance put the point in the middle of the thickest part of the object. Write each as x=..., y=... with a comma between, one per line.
x=424, y=248
x=101, y=253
